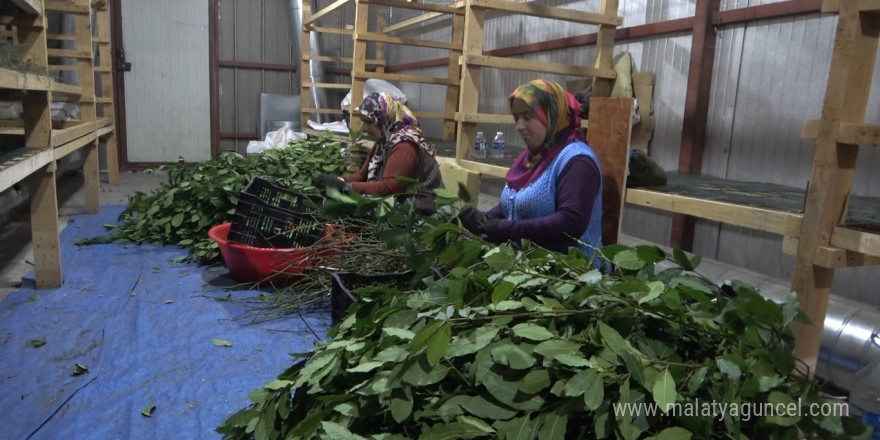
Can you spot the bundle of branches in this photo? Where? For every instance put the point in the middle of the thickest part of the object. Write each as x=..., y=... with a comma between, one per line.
x=521, y=344
x=373, y=235
x=200, y=195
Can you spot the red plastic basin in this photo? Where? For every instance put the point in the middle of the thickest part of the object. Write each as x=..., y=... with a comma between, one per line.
x=278, y=266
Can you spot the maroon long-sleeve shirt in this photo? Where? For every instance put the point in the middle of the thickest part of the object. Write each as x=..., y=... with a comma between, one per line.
x=402, y=160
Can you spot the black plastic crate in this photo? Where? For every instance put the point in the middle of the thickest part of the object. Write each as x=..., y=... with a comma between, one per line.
x=260, y=225
x=343, y=285
x=270, y=216
x=261, y=190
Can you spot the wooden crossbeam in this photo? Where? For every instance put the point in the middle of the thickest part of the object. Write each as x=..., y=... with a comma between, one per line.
x=404, y=78
x=551, y=12
x=382, y=38
x=416, y=6
x=411, y=22
x=537, y=66
x=762, y=219
x=320, y=14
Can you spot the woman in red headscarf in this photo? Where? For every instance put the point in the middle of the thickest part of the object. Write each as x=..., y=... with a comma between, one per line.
x=552, y=195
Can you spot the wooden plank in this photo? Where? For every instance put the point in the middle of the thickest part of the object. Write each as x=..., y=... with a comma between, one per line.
x=453, y=72
x=361, y=75
x=327, y=85
x=305, y=94
x=762, y=219
x=65, y=135
x=857, y=241
x=859, y=134
x=847, y=132
x=359, y=63
x=832, y=257
x=20, y=168
x=830, y=5
x=70, y=53
x=845, y=101
x=416, y=6
x=811, y=128
x=111, y=153
x=485, y=118
x=29, y=6
x=10, y=79
x=538, y=66
x=60, y=37
x=869, y=5
x=484, y=168
x=345, y=60
x=91, y=178
x=320, y=14
x=411, y=22
x=69, y=147
x=469, y=91
x=44, y=227
x=382, y=38
x=612, y=122
x=604, y=50
x=67, y=6
x=381, y=21
x=551, y=12
x=329, y=30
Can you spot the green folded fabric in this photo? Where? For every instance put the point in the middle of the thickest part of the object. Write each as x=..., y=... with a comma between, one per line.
x=644, y=171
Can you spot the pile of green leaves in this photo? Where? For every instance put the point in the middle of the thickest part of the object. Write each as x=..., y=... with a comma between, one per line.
x=200, y=195
x=522, y=344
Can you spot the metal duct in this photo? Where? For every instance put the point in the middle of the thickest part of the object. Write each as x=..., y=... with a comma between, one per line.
x=851, y=336
x=316, y=68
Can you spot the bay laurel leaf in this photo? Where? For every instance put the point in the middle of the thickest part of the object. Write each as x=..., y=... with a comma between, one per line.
x=438, y=343
x=532, y=331
x=664, y=391
x=336, y=431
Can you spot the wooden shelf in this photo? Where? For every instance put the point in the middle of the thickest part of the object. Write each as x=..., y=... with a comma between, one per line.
x=17, y=164
x=10, y=79
x=35, y=163
x=29, y=6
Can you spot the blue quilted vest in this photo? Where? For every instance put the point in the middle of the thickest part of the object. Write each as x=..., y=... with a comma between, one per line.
x=538, y=199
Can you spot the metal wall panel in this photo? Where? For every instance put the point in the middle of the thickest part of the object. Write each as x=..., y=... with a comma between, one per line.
x=166, y=93
x=259, y=32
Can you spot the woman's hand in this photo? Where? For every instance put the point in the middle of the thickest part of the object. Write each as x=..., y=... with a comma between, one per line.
x=325, y=181
x=492, y=230
x=471, y=219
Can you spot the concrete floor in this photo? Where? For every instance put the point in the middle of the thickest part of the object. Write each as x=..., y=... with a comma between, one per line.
x=16, y=253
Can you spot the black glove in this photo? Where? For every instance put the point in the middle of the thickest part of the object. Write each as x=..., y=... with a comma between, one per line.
x=492, y=230
x=325, y=181
x=471, y=219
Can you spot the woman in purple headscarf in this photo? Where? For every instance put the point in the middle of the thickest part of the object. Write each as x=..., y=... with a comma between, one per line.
x=400, y=150
x=553, y=191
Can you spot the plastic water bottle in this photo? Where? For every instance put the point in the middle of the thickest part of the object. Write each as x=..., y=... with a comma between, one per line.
x=480, y=146
x=866, y=396
x=498, y=145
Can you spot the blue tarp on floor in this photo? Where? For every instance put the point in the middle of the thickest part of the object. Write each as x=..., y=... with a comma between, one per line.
x=143, y=328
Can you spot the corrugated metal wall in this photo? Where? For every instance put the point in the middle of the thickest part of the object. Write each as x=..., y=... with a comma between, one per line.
x=256, y=31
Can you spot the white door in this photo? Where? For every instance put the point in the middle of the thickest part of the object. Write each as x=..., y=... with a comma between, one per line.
x=167, y=91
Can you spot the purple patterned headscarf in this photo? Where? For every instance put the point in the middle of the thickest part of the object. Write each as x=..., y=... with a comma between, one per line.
x=397, y=124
